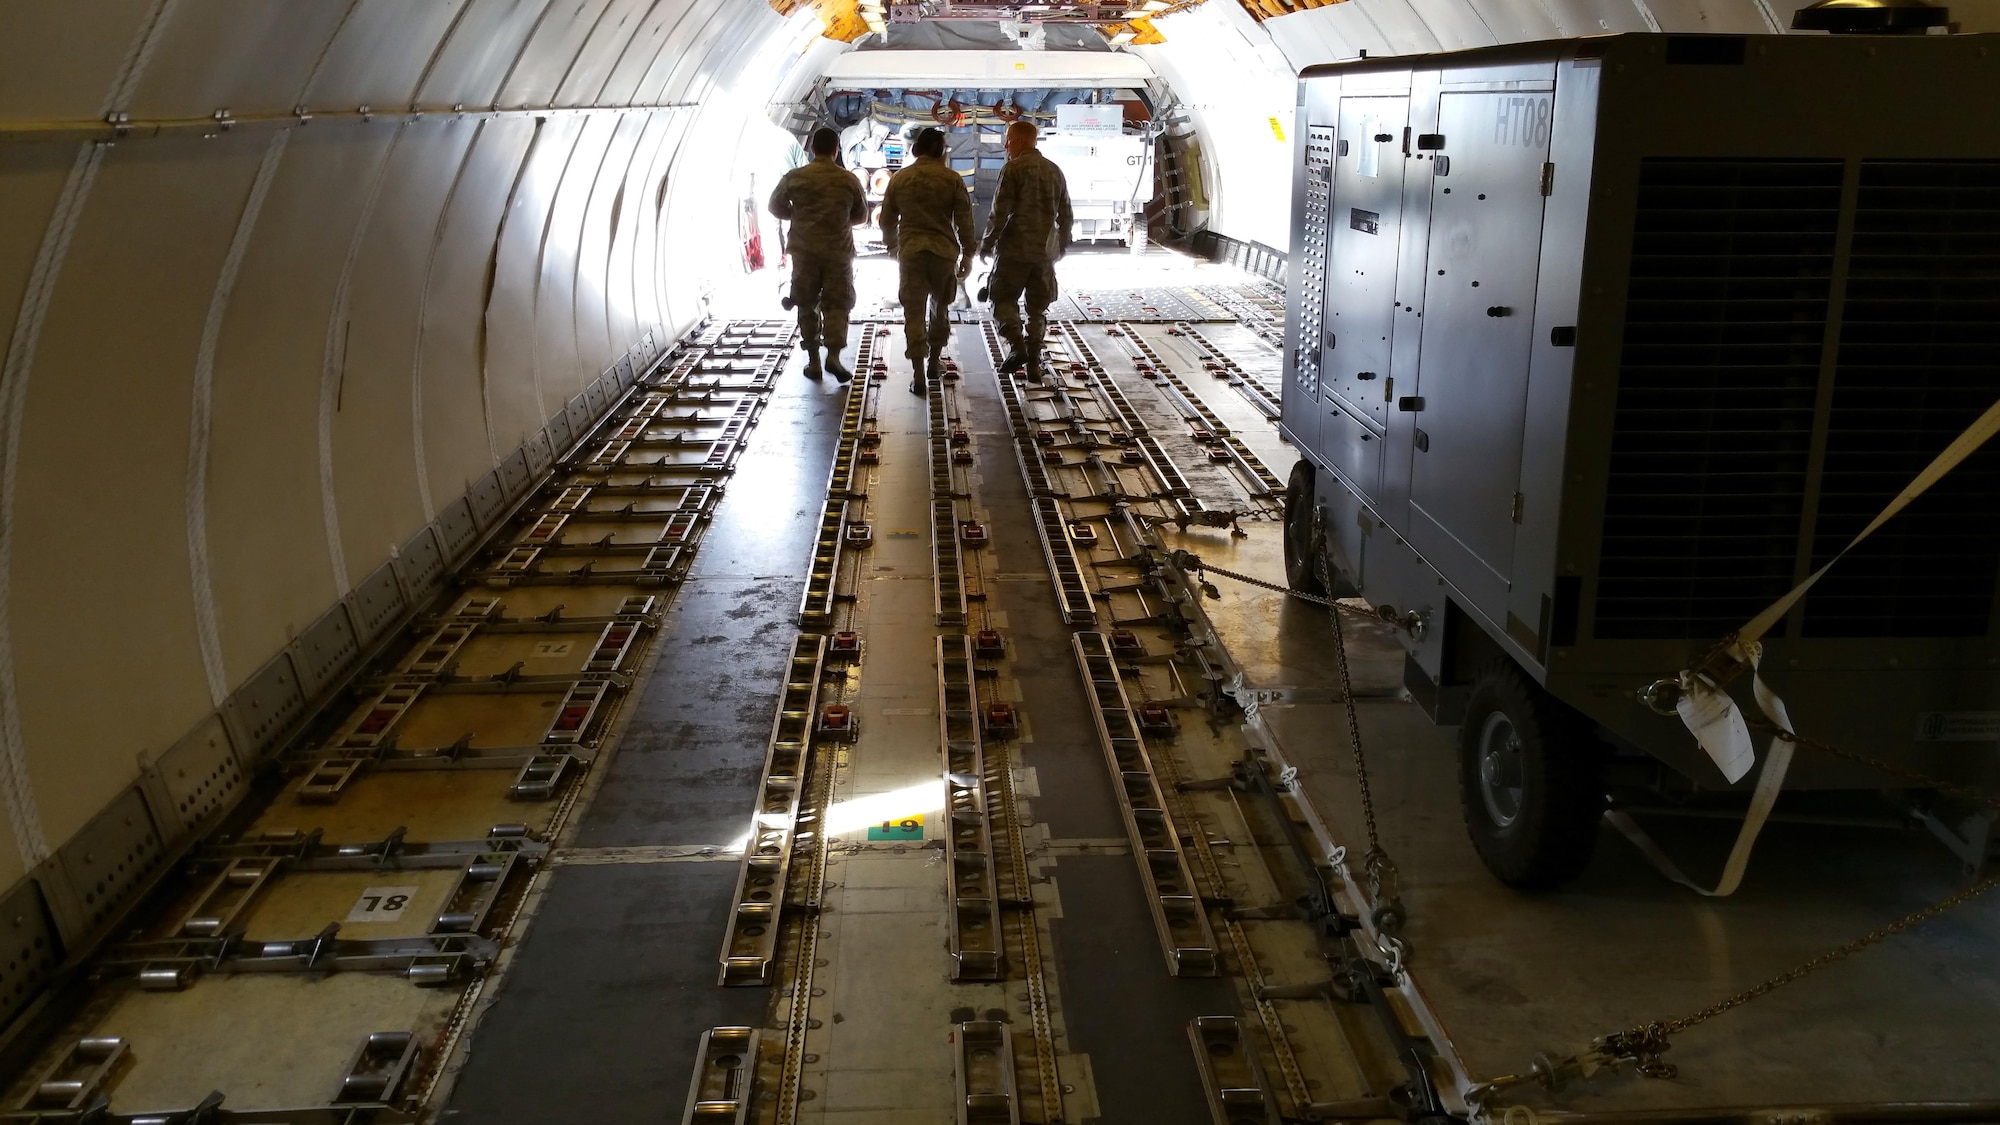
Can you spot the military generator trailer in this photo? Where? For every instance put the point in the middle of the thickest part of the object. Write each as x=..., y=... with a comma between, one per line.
x=1597, y=347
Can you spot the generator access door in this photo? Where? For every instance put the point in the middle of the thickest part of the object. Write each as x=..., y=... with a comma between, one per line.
x=1365, y=227
x=1479, y=302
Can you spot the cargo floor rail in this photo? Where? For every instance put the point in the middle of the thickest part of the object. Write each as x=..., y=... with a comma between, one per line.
x=1072, y=593
x=1173, y=487
x=1179, y=915
x=751, y=945
x=1218, y=363
x=823, y=574
x=975, y=905
x=1224, y=445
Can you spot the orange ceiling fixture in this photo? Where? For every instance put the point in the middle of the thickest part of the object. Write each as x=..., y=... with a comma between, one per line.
x=1265, y=9
x=838, y=19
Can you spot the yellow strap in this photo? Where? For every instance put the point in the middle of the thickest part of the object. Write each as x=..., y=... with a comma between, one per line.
x=1974, y=437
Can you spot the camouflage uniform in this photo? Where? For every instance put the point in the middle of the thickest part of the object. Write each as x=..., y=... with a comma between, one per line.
x=927, y=224
x=1030, y=230
x=823, y=202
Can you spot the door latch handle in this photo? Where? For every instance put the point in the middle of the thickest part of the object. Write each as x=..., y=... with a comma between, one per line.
x=1499, y=310
x=1364, y=376
x=1410, y=404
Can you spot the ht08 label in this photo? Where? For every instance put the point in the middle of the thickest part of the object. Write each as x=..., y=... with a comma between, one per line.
x=1523, y=121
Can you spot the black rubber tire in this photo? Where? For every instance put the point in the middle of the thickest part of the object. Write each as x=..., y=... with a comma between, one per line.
x=1301, y=570
x=1560, y=801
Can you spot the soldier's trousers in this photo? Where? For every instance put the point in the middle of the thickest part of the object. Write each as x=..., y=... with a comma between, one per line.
x=929, y=282
x=1013, y=281
x=823, y=293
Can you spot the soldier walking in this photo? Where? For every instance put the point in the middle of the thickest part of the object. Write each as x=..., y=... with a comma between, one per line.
x=824, y=203
x=927, y=224
x=1029, y=229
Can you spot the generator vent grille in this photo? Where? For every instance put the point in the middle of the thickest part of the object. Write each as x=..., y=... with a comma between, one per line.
x=1919, y=359
x=1725, y=321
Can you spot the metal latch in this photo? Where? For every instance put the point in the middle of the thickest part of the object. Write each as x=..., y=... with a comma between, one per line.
x=1410, y=404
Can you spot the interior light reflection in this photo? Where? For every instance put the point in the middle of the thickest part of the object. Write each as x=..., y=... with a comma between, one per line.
x=920, y=799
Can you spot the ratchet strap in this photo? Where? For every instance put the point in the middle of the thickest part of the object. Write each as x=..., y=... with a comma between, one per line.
x=1716, y=721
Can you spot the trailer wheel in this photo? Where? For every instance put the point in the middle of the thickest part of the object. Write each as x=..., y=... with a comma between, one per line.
x=1301, y=567
x=1528, y=780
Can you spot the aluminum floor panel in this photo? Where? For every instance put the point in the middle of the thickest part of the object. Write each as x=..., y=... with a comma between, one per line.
x=606, y=1000
x=686, y=770
x=615, y=981
x=1120, y=1006
x=1075, y=798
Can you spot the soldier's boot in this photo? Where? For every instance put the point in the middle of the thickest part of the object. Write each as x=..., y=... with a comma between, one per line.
x=917, y=384
x=1017, y=357
x=1037, y=371
x=834, y=365
x=930, y=370
x=812, y=358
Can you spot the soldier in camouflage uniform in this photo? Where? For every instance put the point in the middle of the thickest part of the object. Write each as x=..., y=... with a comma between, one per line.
x=824, y=203
x=927, y=224
x=1030, y=230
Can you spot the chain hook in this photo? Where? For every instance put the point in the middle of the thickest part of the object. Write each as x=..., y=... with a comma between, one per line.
x=1642, y=1046
x=1394, y=949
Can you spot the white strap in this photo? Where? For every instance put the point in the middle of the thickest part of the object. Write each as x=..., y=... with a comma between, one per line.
x=1717, y=723
x=1777, y=761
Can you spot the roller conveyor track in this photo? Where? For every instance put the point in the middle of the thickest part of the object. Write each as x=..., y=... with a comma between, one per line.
x=1209, y=429
x=1222, y=365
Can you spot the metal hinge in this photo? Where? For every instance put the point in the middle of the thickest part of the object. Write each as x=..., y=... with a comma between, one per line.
x=1548, y=178
x=1515, y=512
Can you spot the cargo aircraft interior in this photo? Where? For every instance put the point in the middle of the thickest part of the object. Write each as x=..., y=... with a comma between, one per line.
x=1481, y=603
